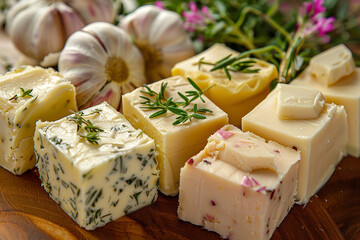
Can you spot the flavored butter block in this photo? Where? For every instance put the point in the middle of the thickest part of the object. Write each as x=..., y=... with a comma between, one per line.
x=96, y=166
x=295, y=104
x=26, y=95
x=345, y=92
x=332, y=65
x=236, y=96
x=174, y=143
x=217, y=193
x=322, y=140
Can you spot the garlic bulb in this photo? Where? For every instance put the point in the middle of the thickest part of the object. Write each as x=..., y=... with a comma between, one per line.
x=40, y=27
x=5, y=5
x=102, y=63
x=161, y=38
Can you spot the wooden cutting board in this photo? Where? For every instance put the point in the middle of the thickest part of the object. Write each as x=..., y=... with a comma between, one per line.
x=27, y=212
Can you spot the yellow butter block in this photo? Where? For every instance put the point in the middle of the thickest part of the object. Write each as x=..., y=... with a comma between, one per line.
x=175, y=144
x=236, y=96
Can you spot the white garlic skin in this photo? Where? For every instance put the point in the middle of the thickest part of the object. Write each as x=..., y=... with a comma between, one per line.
x=163, y=30
x=84, y=60
x=40, y=27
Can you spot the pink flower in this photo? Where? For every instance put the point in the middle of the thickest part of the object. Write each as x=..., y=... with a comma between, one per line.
x=159, y=4
x=325, y=25
x=318, y=7
x=196, y=18
x=312, y=9
x=315, y=22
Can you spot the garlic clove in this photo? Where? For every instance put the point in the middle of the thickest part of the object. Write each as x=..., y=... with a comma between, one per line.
x=161, y=38
x=93, y=10
x=70, y=19
x=103, y=63
x=40, y=27
x=111, y=93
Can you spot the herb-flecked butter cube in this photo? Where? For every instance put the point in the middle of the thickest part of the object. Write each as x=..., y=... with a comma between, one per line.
x=26, y=95
x=96, y=166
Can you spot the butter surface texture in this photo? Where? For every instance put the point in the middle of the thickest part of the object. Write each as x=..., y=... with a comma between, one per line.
x=52, y=98
x=346, y=93
x=322, y=141
x=236, y=97
x=331, y=65
x=96, y=183
x=174, y=144
x=299, y=102
x=237, y=204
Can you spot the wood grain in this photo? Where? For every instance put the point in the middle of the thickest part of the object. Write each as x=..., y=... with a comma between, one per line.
x=27, y=212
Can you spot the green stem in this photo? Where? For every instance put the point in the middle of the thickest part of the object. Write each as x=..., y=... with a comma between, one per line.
x=248, y=53
x=268, y=19
x=262, y=50
x=288, y=61
x=248, y=44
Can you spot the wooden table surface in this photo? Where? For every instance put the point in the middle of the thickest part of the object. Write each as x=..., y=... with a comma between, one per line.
x=27, y=212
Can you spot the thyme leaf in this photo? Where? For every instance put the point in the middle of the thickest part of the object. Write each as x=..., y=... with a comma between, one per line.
x=25, y=94
x=92, y=132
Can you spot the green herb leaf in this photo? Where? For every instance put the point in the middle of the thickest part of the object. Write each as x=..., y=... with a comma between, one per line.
x=92, y=135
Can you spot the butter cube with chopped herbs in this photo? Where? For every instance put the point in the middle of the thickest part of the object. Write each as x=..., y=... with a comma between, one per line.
x=28, y=94
x=96, y=166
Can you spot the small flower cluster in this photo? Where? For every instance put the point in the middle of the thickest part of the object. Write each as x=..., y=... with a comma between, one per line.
x=196, y=18
x=314, y=20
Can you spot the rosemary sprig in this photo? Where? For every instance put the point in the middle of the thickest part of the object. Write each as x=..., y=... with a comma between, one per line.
x=92, y=135
x=25, y=94
x=238, y=63
x=234, y=64
x=158, y=101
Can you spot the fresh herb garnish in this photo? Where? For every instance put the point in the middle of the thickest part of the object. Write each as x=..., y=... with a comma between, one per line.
x=25, y=94
x=92, y=135
x=163, y=105
x=234, y=64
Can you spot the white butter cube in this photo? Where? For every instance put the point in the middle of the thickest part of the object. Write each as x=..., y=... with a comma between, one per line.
x=333, y=64
x=237, y=204
x=346, y=93
x=26, y=95
x=237, y=96
x=322, y=141
x=96, y=183
x=295, y=102
x=174, y=143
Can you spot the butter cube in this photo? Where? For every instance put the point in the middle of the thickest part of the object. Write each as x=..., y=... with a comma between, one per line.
x=96, y=183
x=333, y=64
x=322, y=141
x=237, y=96
x=299, y=102
x=245, y=153
x=26, y=95
x=174, y=143
x=345, y=92
x=237, y=204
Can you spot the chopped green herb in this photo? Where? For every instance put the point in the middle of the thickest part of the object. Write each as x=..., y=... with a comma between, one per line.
x=25, y=94
x=92, y=135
